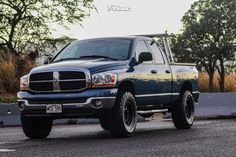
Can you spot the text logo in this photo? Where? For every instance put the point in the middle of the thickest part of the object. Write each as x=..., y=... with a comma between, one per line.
x=118, y=8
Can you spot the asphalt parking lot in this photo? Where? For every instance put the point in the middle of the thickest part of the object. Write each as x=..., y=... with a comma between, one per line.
x=152, y=138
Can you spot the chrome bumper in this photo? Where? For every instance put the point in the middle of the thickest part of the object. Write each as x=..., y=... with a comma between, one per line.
x=107, y=103
x=86, y=109
x=78, y=104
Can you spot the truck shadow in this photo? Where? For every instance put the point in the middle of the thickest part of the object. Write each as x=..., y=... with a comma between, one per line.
x=105, y=136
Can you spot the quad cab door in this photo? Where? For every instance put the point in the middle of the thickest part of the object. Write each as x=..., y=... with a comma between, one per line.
x=163, y=89
x=145, y=79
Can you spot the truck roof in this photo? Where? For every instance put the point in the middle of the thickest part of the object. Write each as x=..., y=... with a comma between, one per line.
x=120, y=37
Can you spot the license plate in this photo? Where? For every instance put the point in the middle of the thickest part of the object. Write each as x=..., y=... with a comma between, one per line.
x=54, y=108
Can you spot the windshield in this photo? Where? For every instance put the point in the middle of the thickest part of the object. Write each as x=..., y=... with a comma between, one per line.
x=116, y=49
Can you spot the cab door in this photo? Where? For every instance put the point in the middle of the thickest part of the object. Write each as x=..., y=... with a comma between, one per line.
x=145, y=77
x=163, y=89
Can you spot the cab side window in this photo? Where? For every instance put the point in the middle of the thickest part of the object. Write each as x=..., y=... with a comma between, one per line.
x=142, y=47
x=157, y=53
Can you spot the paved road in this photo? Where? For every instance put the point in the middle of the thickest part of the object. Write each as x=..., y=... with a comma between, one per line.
x=153, y=138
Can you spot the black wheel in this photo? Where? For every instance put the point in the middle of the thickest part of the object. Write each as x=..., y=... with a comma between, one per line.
x=122, y=121
x=104, y=122
x=183, y=111
x=36, y=128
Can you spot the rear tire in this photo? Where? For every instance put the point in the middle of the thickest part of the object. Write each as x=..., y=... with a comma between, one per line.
x=36, y=128
x=183, y=111
x=122, y=121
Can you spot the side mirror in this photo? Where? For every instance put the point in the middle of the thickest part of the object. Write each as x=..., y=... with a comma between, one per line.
x=145, y=57
x=47, y=60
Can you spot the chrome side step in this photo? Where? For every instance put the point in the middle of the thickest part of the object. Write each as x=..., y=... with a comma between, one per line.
x=152, y=111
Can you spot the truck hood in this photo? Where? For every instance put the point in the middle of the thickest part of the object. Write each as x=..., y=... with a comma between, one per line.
x=94, y=66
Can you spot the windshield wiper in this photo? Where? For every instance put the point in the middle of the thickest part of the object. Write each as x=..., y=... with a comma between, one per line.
x=97, y=56
x=92, y=56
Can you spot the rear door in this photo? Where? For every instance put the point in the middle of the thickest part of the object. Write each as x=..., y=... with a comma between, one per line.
x=163, y=89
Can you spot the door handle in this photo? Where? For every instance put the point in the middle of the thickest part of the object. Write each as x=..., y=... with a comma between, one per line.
x=168, y=71
x=153, y=71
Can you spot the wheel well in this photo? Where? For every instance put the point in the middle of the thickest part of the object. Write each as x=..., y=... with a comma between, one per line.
x=127, y=86
x=186, y=86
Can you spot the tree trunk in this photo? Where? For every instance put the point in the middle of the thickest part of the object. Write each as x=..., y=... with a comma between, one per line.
x=210, y=67
x=210, y=82
x=11, y=49
x=221, y=71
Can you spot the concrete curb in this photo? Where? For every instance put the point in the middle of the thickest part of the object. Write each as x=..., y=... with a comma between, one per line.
x=210, y=106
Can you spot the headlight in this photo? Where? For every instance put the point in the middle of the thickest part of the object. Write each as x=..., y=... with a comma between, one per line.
x=24, y=82
x=104, y=80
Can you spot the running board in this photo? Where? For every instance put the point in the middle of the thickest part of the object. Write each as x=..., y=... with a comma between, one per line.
x=152, y=111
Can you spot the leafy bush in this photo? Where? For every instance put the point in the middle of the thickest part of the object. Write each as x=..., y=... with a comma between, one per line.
x=8, y=77
x=11, y=69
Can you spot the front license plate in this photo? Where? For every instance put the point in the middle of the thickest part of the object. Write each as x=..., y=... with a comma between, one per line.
x=54, y=108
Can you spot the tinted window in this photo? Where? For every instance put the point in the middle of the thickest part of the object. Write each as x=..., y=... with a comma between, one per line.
x=141, y=47
x=156, y=52
x=113, y=48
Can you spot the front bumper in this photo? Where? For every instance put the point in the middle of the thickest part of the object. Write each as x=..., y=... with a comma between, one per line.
x=81, y=104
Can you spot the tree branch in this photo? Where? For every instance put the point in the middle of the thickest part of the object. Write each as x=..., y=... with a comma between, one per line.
x=3, y=39
x=7, y=4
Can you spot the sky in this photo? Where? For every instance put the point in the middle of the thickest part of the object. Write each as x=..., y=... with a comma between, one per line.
x=129, y=17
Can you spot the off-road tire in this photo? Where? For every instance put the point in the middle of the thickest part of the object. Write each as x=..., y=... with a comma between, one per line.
x=183, y=111
x=122, y=121
x=104, y=122
x=35, y=127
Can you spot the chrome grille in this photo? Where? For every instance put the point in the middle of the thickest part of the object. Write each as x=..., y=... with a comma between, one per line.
x=58, y=81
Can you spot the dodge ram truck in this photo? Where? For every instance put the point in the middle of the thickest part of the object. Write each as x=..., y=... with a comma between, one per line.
x=113, y=79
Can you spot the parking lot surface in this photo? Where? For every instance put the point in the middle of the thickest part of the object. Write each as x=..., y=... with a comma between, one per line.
x=152, y=138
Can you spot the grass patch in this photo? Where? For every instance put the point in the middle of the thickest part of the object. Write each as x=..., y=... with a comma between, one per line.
x=8, y=98
x=230, y=83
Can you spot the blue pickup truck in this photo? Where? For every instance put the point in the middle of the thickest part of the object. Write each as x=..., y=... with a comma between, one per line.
x=113, y=79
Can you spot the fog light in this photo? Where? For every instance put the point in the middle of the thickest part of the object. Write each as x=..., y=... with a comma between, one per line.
x=97, y=104
x=21, y=105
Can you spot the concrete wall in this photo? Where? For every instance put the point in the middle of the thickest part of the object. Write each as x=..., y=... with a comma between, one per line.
x=216, y=104
x=210, y=105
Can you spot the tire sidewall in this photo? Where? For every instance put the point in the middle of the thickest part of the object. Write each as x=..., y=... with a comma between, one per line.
x=117, y=125
x=187, y=96
x=128, y=98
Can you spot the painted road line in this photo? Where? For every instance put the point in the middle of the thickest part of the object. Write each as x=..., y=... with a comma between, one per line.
x=7, y=150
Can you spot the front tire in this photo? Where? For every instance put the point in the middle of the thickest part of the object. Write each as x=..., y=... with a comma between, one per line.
x=36, y=128
x=183, y=111
x=104, y=122
x=123, y=117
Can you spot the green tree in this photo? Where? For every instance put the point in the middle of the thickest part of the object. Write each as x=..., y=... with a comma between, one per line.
x=210, y=32
x=180, y=48
x=187, y=47
x=26, y=22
